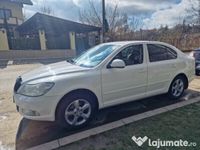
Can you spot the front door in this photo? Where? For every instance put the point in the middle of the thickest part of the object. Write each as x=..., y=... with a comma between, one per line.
x=120, y=85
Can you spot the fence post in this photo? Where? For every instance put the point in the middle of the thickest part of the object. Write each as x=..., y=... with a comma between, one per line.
x=42, y=40
x=3, y=40
x=72, y=36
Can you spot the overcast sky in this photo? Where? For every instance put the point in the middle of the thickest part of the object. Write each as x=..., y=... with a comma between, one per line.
x=154, y=13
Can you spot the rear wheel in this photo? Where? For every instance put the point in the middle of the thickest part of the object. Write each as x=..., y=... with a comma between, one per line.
x=75, y=111
x=177, y=88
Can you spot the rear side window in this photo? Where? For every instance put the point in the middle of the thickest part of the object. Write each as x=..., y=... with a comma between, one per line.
x=160, y=53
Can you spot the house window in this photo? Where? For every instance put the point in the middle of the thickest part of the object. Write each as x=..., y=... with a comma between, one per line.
x=7, y=12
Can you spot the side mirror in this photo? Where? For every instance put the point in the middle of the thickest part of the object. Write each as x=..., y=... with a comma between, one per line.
x=117, y=63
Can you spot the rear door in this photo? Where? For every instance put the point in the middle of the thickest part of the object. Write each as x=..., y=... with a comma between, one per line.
x=162, y=67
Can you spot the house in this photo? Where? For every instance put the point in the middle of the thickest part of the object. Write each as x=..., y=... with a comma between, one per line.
x=11, y=12
x=11, y=16
x=58, y=33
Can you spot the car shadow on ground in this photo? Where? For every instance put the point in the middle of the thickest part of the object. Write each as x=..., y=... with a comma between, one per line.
x=31, y=133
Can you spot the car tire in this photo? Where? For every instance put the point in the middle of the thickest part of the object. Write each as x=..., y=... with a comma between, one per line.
x=75, y=110
x=177, y=88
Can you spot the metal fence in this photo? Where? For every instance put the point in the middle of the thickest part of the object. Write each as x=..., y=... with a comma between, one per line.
x=58, y=42
x=23, y=43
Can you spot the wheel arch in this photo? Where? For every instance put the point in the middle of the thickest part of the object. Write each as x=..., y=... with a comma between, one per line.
x=185, y=78
x=78, y=91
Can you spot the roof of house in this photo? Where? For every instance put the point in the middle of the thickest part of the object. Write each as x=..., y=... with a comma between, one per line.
x=53, y=25
x=27, y=2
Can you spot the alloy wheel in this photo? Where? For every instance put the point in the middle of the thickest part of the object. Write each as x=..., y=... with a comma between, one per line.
x=177, y=87
x=78, y=112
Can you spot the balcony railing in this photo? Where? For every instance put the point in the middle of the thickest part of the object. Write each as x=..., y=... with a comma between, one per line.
x=12, y=21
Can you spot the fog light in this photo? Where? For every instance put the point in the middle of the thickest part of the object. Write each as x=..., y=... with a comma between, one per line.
x=30, y=112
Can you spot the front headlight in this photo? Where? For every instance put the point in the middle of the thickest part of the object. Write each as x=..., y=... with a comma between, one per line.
x=38, y=89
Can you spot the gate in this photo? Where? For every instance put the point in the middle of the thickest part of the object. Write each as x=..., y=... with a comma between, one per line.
x=81, y=43
x=58, y=42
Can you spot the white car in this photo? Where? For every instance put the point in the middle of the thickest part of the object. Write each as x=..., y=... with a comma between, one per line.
x=106, y=75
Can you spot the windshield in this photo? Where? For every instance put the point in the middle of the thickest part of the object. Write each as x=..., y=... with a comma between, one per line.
x=95, y=55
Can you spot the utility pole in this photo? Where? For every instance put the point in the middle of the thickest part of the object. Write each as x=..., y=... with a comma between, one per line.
x=199, y=13
x=103, y=20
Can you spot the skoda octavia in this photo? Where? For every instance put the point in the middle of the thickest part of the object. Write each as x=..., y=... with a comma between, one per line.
x=108, y=74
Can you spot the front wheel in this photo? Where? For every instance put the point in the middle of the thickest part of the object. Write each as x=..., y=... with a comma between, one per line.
x=177, y=88
x=75, y=111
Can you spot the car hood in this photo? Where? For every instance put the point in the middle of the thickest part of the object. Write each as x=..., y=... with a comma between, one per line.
x=52, y=70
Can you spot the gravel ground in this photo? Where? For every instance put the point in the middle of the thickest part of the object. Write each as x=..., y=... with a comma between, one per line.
x=9, y=118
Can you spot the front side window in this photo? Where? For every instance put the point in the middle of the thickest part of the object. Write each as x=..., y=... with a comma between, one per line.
x=95, y=55
x=160, y=52
x=131, y=55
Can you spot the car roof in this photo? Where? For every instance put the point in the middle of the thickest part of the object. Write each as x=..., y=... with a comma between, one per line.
x=198, y=49
x=136, y=42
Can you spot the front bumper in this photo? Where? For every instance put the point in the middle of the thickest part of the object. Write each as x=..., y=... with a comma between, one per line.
x=36, y=108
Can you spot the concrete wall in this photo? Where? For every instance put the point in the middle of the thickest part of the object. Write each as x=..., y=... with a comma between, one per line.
x=72, y=36
x=35, y=54
x=42, y=40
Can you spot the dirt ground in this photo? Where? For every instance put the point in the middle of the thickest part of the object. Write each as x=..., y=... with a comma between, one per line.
x=9, y=118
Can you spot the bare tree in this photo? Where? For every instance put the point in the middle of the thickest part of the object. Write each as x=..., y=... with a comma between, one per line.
x=115, y=19
x=46, y=9
x=91, y=15
x=135, y=23
x=194, y=11
x=120, y=24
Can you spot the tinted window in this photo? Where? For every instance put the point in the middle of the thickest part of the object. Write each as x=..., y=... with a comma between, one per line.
x=131, y=55
x=160, y=53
